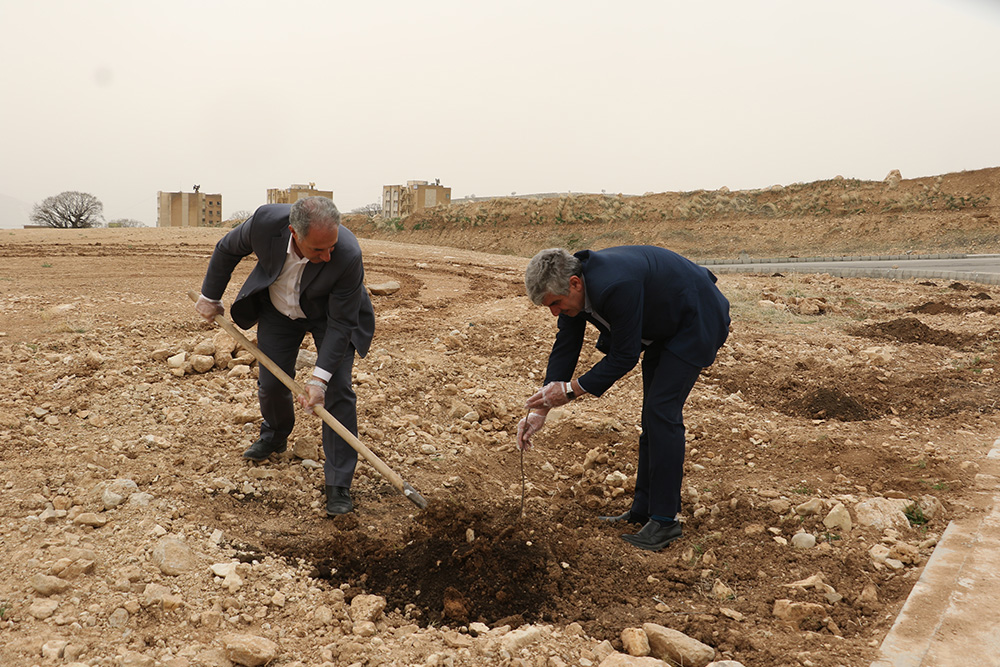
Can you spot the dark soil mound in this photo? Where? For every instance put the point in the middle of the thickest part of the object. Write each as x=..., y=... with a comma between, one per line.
x=912, y=330
x=825, y=403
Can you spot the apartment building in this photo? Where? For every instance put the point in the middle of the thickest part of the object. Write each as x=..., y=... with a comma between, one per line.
x=401, y=200
x=188, y=209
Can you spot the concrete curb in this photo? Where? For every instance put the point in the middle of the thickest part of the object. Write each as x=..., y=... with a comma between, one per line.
x=949, y=618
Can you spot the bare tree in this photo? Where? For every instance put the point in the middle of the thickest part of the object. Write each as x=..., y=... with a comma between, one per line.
x=372, y=210
x=69, y=210
x=237, y=217
x=126, y=222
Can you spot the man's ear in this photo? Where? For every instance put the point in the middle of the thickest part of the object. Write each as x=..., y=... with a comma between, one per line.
x=575, y=282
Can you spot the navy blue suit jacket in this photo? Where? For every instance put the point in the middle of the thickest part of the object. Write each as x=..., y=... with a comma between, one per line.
x=641, y=293
x=332, y=294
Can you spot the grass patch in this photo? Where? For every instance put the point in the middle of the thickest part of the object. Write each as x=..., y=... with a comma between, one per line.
x=915, y=515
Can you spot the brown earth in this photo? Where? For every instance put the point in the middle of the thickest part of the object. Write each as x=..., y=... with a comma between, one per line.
x=829, y=390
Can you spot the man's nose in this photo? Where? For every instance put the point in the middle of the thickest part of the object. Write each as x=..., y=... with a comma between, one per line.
x=554, y=310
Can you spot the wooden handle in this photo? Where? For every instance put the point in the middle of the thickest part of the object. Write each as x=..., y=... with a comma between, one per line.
x=398, y=482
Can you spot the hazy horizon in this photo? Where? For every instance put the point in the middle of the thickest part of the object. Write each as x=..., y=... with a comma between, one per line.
x=124, y=99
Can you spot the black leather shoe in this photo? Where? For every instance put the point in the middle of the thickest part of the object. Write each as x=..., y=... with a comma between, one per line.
x=261, y=449
x=338, y=500
x=628, y=517
x=655, y=535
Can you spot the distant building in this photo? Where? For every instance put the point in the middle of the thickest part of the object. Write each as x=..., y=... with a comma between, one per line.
x=295, y=192
x=188, y=209
x=401, y=200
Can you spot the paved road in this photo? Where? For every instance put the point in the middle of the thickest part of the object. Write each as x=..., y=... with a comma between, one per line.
x=973, y=268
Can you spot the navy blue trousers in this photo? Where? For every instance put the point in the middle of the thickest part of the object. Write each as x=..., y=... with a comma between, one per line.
x=280, y=337
x=667, y=381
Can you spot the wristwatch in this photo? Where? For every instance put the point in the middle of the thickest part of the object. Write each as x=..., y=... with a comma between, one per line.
x=570, y=394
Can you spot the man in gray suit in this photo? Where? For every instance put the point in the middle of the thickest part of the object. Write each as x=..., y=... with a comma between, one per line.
x=309, y=278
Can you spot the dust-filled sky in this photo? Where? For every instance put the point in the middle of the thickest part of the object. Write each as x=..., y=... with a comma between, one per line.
x=122, y=98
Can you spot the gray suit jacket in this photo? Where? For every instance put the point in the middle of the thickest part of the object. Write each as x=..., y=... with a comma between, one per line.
x=333, y=293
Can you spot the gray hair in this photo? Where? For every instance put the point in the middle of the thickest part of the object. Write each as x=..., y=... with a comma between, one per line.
x=309, y=211
x=549, y=272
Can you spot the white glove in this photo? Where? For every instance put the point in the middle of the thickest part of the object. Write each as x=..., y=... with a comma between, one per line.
x=528, y=427
x=208, y=308
x=551, y=395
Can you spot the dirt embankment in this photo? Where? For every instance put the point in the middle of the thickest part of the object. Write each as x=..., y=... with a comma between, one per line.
x=950, y=213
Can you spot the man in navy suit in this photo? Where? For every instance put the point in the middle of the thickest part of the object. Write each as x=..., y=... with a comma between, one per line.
x=309, y=278
x=644, y=301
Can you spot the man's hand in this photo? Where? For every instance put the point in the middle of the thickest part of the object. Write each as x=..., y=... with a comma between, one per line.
x=528, y=427
x=551, y=395
x=208, y=308
x=315, y=394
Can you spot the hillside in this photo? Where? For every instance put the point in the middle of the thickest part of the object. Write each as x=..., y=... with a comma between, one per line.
x=955, y=212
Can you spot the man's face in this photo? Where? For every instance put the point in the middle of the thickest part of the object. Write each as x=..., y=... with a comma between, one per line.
x=569, y=304
x=317, y=245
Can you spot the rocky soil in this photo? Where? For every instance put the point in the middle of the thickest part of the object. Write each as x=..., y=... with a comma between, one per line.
x=829, y=446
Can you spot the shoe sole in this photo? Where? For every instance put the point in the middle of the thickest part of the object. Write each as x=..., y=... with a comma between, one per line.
x=334, y=516
x=266, y=456
x=653, y=547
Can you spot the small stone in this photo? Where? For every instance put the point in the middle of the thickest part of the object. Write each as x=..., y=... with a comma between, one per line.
x=635, y=642
x=250, y=650
x=839, y=518
x=90, y=519
x=173, y=556
x=47, y=585
x=367, y=607
x=810, y=507
x=43, y=608
x=803, y=540
x=384, y=289
x=201, y=363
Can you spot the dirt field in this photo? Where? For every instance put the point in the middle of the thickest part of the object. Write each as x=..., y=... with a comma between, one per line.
x=835, y=437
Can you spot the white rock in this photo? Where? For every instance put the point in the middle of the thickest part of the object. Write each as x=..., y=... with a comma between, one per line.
x=676, y=647
x=803, y=540
x=883, y=513
x=367, y=607
x=810, y=507
x=202, y=363
x=249, y=650
x=515, y=640
x=839, y=518
x=43, y=608
x=173, y=556
x=47, y=585
x=635, y=642
x=54, y=649
x=384, y=289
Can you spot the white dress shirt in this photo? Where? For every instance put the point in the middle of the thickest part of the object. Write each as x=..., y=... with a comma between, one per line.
x=284, y=290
